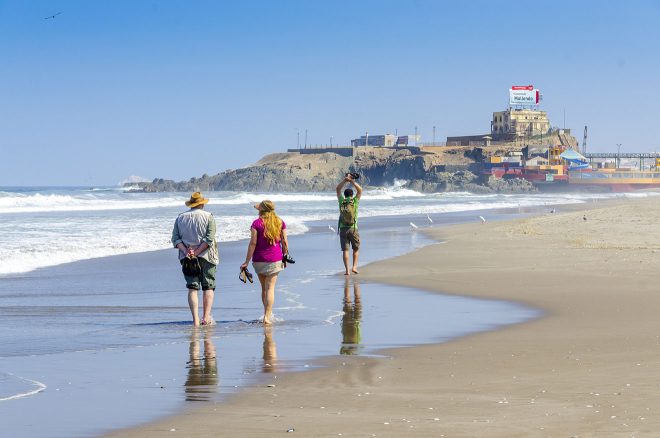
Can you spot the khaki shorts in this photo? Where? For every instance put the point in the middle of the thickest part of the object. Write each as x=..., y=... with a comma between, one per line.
x=206, y=279
x=267, y=268
x=349, y=238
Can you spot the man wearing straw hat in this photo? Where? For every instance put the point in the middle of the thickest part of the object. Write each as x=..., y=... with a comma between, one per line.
x=194, y=236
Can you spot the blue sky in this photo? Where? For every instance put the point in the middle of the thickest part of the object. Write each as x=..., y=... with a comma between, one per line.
x=175, y=89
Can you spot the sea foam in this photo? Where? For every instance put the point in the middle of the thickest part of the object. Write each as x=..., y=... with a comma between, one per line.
x=49, y=227
x=14, y=387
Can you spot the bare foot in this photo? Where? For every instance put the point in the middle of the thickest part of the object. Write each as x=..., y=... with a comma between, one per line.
x=268, y=320
x=355, y=271
x=347, y=273
x=208, y=321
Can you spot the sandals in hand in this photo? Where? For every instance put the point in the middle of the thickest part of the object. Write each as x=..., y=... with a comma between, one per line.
x=245, y=276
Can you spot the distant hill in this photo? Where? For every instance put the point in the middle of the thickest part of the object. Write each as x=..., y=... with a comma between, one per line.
x=427, y=169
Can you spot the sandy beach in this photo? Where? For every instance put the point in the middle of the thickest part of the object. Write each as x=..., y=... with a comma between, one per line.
x=588, y=367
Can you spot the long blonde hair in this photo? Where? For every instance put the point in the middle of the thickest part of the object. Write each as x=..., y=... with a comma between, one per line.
x=272, y=222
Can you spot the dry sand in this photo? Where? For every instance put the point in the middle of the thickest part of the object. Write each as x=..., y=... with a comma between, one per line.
x=589, y=367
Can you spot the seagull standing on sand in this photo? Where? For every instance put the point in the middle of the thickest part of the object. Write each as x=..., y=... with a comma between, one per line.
x=413, y=226
x=331, y=229
x=483, y=220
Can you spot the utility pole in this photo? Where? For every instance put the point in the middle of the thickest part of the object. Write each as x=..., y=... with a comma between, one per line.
x=433, y=135
x=415, y=135
x=305, y=138
x=366, y=138
x=584, y=141
x=331, y=141
x=298, y=142
x=618, y=155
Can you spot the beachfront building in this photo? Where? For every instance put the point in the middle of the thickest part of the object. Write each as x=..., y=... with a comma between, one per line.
x=515, y=123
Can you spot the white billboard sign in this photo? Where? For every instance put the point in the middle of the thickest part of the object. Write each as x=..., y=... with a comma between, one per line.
x=523, y=95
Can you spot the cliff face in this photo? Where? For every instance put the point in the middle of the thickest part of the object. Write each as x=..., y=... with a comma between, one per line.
x=273, y=173
x=430, y=169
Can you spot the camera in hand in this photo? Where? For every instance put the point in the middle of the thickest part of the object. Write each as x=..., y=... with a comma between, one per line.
x=355, y=175
x=286, y=258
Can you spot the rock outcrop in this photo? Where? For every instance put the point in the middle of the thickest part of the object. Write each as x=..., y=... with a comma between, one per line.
x=426, y=169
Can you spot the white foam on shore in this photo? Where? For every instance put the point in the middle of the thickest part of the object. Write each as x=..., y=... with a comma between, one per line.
x=48, y=229
x=69, y=240
x=39, y=388
x=294, y=299
x=109, y=199
x=41, y=203
x=333, y=317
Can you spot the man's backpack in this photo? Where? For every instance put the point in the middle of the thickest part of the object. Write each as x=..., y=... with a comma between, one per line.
x=347, y=212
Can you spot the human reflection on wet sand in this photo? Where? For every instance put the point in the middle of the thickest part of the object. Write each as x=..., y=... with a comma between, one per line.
x=202, y=381
x=350, y=321
x=270, y=351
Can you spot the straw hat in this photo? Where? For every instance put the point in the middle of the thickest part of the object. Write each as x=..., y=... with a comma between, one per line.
x=196, y=199
x=265, y=206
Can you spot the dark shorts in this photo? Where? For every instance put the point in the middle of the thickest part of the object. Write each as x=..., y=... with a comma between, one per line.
x=349, y=238
x=206, y=279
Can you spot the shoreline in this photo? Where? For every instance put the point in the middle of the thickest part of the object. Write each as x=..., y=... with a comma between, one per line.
x=585, y=367
x=150, y=315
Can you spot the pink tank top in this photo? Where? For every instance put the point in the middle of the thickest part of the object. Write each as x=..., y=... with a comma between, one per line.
x=265, y=252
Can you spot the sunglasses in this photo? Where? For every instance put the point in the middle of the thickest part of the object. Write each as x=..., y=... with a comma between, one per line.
x=245, y=276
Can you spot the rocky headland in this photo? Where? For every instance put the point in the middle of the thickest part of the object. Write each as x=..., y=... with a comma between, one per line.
x=425, y=169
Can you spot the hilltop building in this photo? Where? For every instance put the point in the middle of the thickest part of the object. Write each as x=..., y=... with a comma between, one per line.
x=513, y=123
x=522, y=120
x=408, y=140
x=387, y=140
x=375, y=140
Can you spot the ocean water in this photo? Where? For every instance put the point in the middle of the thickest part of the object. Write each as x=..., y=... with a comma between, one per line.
x=50, y=226
x=93, y=313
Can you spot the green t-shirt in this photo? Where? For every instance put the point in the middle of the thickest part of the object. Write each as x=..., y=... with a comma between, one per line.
x=356, y=202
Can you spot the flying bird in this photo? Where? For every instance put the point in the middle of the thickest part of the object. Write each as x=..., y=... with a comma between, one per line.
x=429, y=218
x=483, y=220
x=331, y=229
x=52, y=16
x=413, y=226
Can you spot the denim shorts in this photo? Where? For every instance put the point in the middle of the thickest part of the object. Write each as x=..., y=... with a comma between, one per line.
x=206, y=280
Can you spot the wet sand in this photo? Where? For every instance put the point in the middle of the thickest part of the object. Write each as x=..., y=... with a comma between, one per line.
x=589, y=367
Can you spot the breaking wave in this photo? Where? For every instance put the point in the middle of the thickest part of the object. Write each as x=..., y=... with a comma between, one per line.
x=54, y=226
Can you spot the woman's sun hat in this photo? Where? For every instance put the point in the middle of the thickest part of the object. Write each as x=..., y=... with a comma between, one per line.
x=196, y=199
x=265, y=206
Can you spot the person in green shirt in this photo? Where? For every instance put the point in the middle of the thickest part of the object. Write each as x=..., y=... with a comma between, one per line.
x=348, y=230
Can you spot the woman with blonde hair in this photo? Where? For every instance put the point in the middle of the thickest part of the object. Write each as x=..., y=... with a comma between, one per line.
x=268, y=244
